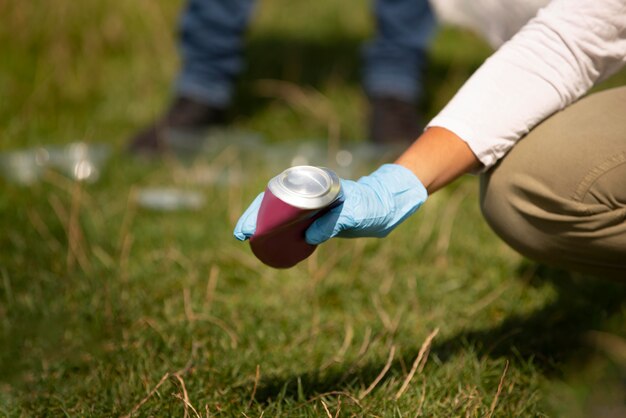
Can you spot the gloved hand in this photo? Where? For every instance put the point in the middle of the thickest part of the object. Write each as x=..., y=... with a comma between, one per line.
x=246, y=225
x=373, y=206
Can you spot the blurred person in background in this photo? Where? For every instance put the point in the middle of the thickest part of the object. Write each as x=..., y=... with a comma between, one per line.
x=552, y=159
x=212, y=42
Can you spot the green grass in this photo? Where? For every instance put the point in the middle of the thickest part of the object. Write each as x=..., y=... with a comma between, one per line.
x=108, y=309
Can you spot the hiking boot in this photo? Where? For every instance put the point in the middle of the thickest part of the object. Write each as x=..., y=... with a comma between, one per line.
x=185, y=116
x=394, y=121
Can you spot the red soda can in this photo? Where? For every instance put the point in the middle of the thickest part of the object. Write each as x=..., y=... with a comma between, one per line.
x=293, y=200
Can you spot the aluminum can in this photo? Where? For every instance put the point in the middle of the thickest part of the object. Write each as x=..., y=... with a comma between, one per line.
x=293, y=200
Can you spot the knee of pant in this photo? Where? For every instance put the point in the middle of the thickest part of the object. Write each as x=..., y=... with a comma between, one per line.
x=552, y=225
x=513, y=205
x=495, y=205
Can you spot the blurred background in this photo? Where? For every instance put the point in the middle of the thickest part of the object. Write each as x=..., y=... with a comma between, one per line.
x=123, y=292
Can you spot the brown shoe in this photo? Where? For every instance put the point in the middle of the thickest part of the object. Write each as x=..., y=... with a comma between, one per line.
x=184, y=115
x=394, y=121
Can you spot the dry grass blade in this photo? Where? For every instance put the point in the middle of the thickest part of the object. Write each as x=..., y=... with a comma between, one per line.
x=42, y=229
x=423, y=350
x=309, y=100
x=257, y=376
x=234, y=338
x=385, y=319
x=189, y=314
x=58, y=180
x=148, y=396
x=343, y=349
x=178, y=375
x=346, y=341
x=366, y=342
x=338, y=407
x=73, y=232
x=380, y=375
x=187, y=405
x=365, y=345
x=494, y=403
x=211, y=286
x=103, y=257
x=326, y=409
x=75, y=235
x=488, y=299
x=337, y=393
x=185, y=397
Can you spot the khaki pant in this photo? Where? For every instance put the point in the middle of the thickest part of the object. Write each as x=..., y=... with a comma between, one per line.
x=559, y=196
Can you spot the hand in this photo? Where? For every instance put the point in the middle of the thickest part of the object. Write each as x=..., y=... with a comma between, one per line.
x=246, y=225
x=373, y=206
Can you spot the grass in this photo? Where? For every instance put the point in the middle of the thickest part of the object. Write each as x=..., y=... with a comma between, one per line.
x=109, y=309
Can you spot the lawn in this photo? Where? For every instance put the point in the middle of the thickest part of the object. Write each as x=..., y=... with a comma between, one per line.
x=109, y=308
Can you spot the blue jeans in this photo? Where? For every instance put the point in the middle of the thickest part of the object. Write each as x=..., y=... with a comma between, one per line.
x=212, y=49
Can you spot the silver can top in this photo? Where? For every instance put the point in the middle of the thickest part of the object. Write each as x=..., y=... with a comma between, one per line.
x=306, y=187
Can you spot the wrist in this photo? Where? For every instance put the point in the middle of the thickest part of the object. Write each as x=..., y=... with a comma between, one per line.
x=438, y=157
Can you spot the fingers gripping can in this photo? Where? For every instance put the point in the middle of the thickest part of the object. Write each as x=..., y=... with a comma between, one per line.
x=293, y=200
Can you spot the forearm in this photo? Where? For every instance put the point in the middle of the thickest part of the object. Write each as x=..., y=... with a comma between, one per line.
x=438, y=157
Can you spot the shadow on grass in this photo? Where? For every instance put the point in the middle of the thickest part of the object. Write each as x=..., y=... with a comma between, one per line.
x=553, y=334
x=547, y=338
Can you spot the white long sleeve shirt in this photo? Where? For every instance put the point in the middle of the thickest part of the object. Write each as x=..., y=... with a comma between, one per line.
x=554, y=59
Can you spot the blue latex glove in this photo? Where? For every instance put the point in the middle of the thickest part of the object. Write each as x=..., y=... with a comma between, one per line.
x=246, y=225
x=373, y=206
